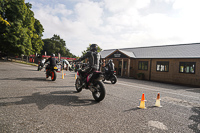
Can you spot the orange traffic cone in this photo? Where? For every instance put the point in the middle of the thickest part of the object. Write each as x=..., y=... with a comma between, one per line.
x=142, y=103
x=75, y=76
x=157, y=104
x=63, y=75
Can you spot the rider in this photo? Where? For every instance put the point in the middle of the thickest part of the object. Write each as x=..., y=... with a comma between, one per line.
x=109, y=66
x=52, y=61
x=93, y=58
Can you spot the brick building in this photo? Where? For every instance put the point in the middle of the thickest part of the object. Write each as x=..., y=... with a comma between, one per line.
x=178, y=64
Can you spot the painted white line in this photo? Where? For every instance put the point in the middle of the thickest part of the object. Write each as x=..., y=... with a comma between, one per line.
x=157, y=124
x=154, y=89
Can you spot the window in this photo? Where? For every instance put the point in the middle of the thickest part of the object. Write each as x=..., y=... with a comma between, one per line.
x=162, y=66
x=187, y=67
x=143, y=65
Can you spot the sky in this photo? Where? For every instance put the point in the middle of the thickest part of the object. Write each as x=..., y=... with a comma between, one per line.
x=114, y=24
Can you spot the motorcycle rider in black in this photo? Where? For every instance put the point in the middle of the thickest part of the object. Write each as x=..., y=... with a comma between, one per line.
x=94, y=59
x=52, y=61
x=109, y=67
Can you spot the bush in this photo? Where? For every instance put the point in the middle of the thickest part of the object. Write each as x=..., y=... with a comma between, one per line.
x=140, y=75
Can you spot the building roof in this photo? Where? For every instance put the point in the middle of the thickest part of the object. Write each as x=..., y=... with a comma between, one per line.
x=166, y=51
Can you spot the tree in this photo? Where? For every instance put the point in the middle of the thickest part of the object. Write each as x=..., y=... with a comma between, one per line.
x=19, y=35
x=88, y=49
x=56, y=45
x=37, y=43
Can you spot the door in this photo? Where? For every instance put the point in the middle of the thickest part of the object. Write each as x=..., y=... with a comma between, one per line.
x=119, y=68
x=125, y=68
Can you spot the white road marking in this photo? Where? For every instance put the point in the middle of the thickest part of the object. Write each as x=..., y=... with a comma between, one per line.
x=157, y=124
x=154, y=89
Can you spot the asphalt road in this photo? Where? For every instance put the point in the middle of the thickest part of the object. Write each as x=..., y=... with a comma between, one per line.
x=30, y=103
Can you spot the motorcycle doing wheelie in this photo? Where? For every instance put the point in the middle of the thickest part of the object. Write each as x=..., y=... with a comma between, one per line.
x=111, y=76
x=51, y=71
x=91, y=81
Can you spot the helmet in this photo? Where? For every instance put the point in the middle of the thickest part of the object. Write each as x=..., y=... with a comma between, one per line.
x=110, y=60
x=52, y=55
x=93, y=47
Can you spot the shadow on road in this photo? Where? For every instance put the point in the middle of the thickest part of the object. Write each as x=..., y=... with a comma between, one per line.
x=134, y=109
x=55, y=86
x=196, y=119
x=27, y=79
x=63, y=98
x=32, y=70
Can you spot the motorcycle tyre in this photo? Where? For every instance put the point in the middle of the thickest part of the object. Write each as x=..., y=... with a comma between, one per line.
x=103, y=79
x=53, y=75
x=78, y=89
x=113, y=79
x=102, y=92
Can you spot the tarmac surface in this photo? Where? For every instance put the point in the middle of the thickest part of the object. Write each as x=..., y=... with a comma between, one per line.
x=30, y=103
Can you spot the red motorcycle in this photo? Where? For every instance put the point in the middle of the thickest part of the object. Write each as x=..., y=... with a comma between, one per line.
x=91, y=81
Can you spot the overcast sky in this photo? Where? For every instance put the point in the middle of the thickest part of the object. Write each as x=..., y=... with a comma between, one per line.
x=119, y=23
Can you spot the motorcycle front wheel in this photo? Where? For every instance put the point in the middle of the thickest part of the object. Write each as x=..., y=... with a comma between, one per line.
x=53, y=75
x=78, y=85
x=103, y=78
x=113, y=79
x=100, y=92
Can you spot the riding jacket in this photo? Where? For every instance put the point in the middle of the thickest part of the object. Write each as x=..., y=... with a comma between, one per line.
x=94, y=59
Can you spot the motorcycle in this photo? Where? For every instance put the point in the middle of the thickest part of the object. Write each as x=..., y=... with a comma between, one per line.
x=91, y=81
x=111, y=76
x=40, y=66
x=51, y=72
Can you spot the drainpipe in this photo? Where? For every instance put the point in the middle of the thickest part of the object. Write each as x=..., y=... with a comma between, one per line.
x=122, y=69
x=128, y=67
x=150, y=69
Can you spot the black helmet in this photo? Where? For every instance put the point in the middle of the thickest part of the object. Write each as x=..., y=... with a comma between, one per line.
x=52, y=55
x=110, y=60
x=93, y=47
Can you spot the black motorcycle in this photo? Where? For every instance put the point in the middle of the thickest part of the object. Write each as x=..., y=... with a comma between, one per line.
x=91, y=81
x=40, y=66
x=51, y=72
x=111, y=76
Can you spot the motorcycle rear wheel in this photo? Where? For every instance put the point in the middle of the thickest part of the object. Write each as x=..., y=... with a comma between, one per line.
x=78, y=85
x=100, y=92
x=113, y=79
x=53, y=75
